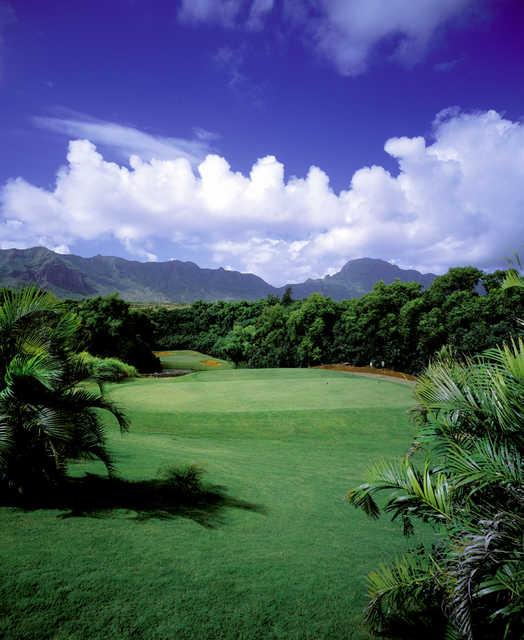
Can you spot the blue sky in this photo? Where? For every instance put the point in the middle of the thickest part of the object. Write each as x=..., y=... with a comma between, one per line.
x=281, y=137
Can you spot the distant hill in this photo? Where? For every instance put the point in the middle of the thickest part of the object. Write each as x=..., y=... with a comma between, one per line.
x=358, y=277
x=176, y=281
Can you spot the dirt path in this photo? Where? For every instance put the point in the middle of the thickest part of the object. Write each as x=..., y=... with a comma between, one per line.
x=371, y=372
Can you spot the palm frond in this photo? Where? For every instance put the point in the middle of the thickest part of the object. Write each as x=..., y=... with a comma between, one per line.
x=477, y=559
x=39, y=369
x=79, y=398
x=17, y=305
x=402, y=588
x=509, y=358
x=513, y=279
x=6, y=438
x=424, y=494
x=471, y=397
x=486, y=464
x=46, y=418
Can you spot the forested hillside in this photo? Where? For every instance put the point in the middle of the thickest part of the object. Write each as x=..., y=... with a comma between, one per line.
x=70, y=276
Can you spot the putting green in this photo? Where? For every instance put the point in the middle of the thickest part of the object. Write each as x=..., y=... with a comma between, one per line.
x=249, y=390
x=193, y=360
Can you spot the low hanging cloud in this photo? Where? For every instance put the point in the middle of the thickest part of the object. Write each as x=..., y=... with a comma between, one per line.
x=346, y=32
x=457, y=199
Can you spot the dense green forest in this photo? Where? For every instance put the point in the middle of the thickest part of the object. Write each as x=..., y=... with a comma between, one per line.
x=399, y=324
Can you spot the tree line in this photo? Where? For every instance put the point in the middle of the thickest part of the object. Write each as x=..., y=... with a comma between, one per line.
x=398, y=324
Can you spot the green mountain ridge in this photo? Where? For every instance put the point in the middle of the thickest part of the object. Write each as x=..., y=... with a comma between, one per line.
x=73, y=276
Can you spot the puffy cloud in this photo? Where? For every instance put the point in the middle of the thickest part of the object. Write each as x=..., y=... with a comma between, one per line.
x=457, y=199
x=61, y=248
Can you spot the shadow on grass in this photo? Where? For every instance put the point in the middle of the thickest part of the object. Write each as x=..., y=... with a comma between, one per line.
x=178, y=493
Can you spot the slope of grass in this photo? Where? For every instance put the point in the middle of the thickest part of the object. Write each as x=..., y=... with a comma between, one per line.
x=279, y=555
x=191, y=360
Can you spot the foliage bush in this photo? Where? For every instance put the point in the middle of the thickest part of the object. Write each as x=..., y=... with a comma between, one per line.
x=107, y=369
x=469, y=486
x=109, y=327
x=46, y=417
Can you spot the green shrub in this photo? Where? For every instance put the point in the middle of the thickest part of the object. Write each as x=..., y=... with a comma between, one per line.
x=468, y=485
x=47, y=418
x=107, y=369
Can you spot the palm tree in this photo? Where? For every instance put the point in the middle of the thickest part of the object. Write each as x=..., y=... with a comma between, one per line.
x=469, y=487
x=46, y=417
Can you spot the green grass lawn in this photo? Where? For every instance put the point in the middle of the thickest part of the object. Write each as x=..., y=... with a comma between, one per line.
x=283, y=557
x=191, y=360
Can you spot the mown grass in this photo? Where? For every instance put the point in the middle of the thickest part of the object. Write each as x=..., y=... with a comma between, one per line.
x=193, y=360
x=279, y=554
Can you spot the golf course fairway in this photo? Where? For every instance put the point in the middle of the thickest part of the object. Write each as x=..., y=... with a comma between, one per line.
x=280, y=555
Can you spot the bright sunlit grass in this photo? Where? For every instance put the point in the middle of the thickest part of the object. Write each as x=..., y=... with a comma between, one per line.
x=286, y=557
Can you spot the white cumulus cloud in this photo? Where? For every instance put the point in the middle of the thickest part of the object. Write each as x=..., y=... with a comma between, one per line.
x=458, y=198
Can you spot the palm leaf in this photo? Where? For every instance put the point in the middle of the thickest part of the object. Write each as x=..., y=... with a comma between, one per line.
x=31, y=371
x=424, y=494
x=487, y=464
x=401, y=587
x=513, y=279
x=478, y=558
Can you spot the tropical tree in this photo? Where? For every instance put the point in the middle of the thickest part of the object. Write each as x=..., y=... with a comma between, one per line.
x=46, y=417
x=109, y=327
x=468, y=485
x=237, y=344
x=310, y=328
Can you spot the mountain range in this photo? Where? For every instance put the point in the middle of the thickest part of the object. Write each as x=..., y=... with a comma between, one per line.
x=71, y=276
